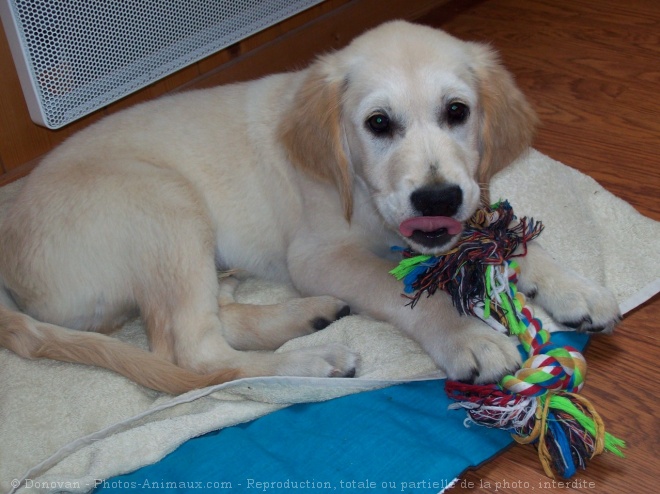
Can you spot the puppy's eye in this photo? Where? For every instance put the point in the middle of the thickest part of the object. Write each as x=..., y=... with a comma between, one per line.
x=379, y=123
x=457, y=113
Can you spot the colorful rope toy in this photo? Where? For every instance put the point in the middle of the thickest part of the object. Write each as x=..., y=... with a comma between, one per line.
x=539, y=404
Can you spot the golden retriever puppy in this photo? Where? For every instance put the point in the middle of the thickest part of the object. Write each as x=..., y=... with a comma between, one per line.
x=307, y=177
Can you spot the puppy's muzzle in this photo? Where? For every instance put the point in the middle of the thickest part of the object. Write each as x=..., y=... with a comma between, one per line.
x=435, y=225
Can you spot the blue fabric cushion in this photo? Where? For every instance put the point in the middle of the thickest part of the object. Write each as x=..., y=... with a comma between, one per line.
x=398, y=439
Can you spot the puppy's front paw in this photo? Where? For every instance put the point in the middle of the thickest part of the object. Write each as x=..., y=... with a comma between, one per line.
x=477, y=354
x=571, y=300
x=578, y=303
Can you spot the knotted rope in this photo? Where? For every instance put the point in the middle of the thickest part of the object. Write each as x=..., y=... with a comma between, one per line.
x=539, y=404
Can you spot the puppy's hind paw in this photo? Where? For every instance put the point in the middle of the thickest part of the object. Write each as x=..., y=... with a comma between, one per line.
x=331, y=360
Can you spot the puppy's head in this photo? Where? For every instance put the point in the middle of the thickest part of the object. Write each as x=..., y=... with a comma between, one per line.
x=420, y=119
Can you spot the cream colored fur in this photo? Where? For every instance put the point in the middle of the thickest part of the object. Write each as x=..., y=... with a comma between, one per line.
x=282, y=178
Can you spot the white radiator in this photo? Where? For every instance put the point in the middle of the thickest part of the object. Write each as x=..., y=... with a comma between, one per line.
x=76, y=56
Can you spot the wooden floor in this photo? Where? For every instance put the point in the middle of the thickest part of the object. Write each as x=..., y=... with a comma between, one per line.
x=592, y=71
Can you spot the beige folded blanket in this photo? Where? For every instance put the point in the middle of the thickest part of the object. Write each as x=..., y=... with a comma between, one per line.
x=70, y=423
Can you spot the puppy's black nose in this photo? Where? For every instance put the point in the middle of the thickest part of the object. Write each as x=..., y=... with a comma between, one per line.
x=437, y=200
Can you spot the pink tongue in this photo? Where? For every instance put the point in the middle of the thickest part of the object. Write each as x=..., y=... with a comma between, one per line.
x=430, y=224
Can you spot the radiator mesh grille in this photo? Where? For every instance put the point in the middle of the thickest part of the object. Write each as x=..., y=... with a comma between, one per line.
x=84, y=54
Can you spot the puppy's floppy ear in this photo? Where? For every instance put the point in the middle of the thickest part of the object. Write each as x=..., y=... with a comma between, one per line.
x=508, y=123
x=312, y=134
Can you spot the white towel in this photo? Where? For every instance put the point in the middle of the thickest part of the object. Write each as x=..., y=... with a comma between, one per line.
x=72, y=424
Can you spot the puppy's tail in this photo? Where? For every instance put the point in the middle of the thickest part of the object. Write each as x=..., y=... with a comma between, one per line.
x=30, y=338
